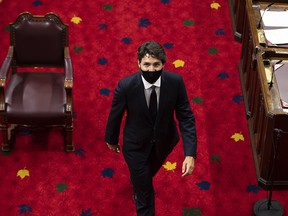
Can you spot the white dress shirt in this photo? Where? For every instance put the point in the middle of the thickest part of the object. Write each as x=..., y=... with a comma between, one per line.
x=148, y=89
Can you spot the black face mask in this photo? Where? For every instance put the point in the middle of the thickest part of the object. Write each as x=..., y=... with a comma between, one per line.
x=150, y=76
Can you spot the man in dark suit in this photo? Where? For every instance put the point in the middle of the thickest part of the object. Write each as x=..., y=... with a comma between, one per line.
x=150, y=131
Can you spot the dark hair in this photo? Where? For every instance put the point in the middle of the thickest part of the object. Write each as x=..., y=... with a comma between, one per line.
x=152, y=48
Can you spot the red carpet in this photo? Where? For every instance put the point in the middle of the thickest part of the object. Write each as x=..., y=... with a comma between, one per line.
x=39, y=178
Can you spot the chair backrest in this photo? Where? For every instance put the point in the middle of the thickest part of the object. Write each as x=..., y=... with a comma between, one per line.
x=38, y=40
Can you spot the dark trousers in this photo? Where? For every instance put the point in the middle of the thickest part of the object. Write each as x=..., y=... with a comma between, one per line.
x=142, y=180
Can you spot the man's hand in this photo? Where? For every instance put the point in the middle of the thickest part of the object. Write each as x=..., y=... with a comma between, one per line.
x=188, y=166
x=114, y=148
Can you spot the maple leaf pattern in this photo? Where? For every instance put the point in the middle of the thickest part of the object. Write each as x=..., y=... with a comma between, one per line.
x=109, y=172
x=220, y=31
x=191, y=212
x=212, y=51
x=76, y=20
x=77, y=49
x=188, y=22
x=24, y=209
x=165, y=1
x=168, y=45
x=102, y=61
x=237, y=137
x=61, y=187
x=80, y=152
x=238, y=98
x=22, y=173
x=203, y=185
x=215, y=158
x=178, y=63
x=107, y=7
x=104, y=91
x=215, y=5
x=197, y=100
x=86, y=212
x=170, y=166
x=126, y=40
x=144, y=23
x=253, y=188
x=102, y=26
x=223, y=75
x=37, y=3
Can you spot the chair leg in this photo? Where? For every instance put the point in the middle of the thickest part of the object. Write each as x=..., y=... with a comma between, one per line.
x=5, y=137
x=8, y=136
x=69, y=146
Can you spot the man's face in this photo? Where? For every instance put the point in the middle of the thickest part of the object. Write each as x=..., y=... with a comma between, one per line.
x=150, y=63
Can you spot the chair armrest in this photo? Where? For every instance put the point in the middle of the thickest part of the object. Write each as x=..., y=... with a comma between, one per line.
x=68, y=82
x=3, y=75
x=68, y=69
x=5, y=67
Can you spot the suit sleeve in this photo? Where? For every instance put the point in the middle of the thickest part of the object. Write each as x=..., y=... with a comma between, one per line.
x=117, y=110
x=186, y=120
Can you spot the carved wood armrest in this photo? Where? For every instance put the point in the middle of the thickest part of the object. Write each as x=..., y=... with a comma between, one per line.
x=68, y=69
x=5, y=66
x=3, y=75
x=68, y=83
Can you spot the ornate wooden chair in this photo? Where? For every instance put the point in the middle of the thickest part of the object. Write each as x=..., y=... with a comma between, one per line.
x=36, y=78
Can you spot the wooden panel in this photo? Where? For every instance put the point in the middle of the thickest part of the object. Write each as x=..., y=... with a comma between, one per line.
x=237, y=10
x=266, y=116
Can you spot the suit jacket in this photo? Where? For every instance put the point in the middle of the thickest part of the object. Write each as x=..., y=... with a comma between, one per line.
x=140, y=134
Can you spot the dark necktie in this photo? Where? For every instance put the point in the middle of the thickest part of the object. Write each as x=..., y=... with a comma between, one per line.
x=153, y=103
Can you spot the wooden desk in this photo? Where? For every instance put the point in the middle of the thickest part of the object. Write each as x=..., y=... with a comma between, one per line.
x=237, y=13
x=265, y=114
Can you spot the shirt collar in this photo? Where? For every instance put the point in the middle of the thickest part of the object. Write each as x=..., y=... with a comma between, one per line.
x=148, y=85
